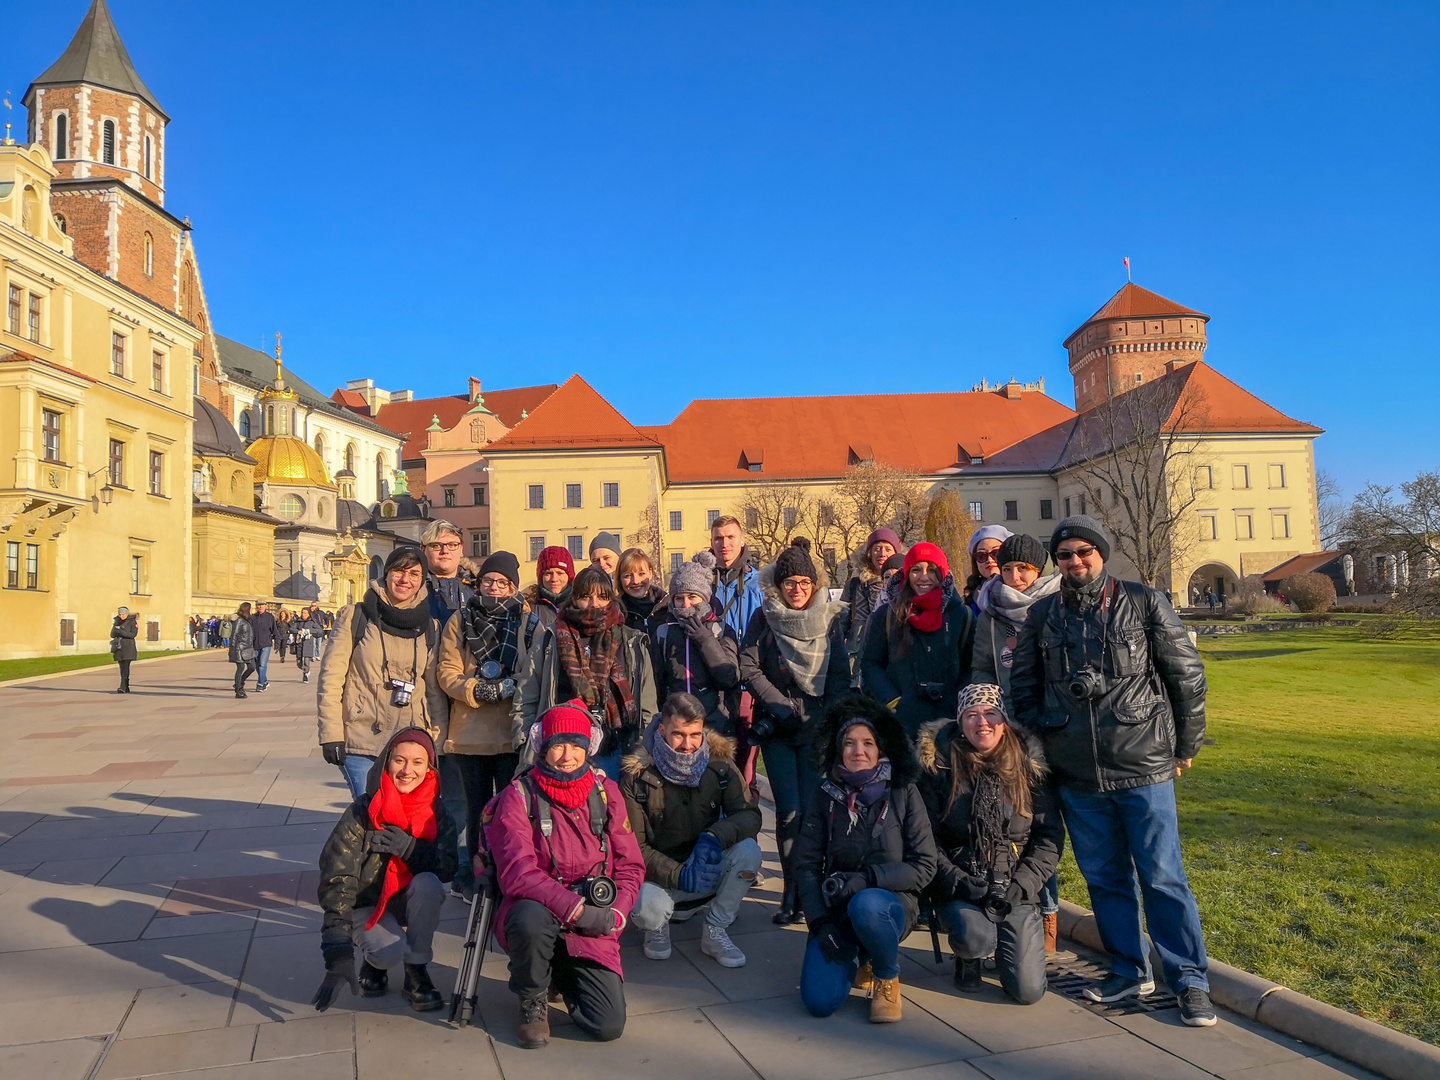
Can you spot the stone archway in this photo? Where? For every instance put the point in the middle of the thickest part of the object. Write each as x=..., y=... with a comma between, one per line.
x=1212, y=575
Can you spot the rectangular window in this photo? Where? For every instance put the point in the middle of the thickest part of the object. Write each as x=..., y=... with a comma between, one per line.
x=1012, y=510
x=157, y=473
x=12, y=565
x=537, y=545
x=14, y=311
x=1244, y=527
x=32, y=566
x=449, y=496
x=117, y=354
x=611, y=495
x=152, y=629
x=537, y=496
x=676, y=521
x=477, y=494
x=1067, y=507
x=977, y=511
x=1280, y=526
x=1277, y=476
x=677, y=560
x=1047, y=510
x=50, y=433
x=1081, y=501
x=752, y=518
x=1207, y=527
x=791, y=516
x=157, y=371
x=195, y=381
x=1240, y=477
x=710, y=516
x=34, y=317
x=479, y=543
x=117, y=463
x=137, y=573
x=1204, y=478
x=576, y=546
x=572, y=496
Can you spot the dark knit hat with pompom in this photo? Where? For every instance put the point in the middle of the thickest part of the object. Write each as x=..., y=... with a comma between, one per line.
x=795, y=561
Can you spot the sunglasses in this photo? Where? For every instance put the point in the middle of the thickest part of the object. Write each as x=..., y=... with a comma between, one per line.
x=1074, y=553
x=987, y=556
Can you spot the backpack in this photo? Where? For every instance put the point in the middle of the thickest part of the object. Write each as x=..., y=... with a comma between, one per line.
x=359, y=621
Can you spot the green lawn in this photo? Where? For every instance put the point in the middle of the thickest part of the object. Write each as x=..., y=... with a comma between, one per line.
x=46, y=665
x=1312, y=827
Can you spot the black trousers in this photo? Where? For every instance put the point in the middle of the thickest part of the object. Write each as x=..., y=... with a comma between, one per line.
x=468, y=782
x=125, y=674
x=1018, y=942
x=594, y=994
x=243, y=670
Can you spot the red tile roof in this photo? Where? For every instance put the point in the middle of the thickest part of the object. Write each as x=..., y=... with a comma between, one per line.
x=1224, y=406
x=822, y=436
x=575, y=416
x=1133, y=302
x=412, y=418
x=351, y=400
x=1301, y=564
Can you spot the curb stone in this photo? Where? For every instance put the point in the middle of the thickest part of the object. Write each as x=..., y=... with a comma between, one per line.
x=98, y=667
x=1368, y=1044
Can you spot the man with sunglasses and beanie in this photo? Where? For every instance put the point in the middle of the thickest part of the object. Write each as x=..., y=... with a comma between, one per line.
x=1107, y=676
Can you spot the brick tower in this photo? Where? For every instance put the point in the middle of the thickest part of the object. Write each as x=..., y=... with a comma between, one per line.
x=1136, y=337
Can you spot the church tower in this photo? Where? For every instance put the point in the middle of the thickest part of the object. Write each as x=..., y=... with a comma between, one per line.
x=1135, y=338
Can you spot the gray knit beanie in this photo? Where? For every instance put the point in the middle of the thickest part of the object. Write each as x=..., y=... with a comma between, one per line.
x=696, y=576
x=1081, y=527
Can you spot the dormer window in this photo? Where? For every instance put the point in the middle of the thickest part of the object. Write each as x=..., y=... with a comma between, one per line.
x=752, y=459
x=107, y=142
x=860, y=452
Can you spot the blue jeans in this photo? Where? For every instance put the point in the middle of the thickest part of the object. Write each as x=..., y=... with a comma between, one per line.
x=875, y=920
x=1050, y=895
x=355, y=770
x=794, y=780
x=1125, y=838
x=738, y=865
x=262, y=665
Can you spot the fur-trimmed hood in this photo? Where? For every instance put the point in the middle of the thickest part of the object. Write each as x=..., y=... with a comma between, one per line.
x=637, y=761
x=770, y=588
x=894, y=743
x=932, y=747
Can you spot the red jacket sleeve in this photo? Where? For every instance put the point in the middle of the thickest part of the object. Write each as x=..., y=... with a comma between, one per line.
x=518, y=864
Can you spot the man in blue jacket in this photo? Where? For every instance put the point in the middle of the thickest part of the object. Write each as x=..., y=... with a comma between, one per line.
x=263, y=623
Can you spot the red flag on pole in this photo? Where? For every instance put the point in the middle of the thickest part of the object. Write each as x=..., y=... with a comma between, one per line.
x=1127, y=267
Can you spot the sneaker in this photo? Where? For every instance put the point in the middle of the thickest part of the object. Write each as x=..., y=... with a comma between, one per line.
x=1118, y=988
x=1195, y=1007
x=715, y=943
x=657, y=943
x=305, y=677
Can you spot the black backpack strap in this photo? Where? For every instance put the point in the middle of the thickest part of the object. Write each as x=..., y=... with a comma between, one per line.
x=358, y=622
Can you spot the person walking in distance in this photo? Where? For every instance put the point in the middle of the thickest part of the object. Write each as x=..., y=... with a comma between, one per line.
x=264, y=627
x=242, y=648
x=1106, y=674
x=123, y=632
x=309, y=634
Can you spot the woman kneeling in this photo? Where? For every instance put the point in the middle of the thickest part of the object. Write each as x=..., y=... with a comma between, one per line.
x=559, y=836
x=863, y=857
x=382, y=876
x=999, y=836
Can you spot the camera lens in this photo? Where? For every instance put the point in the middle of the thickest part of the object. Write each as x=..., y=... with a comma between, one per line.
x=490, y=669
x=602, y=891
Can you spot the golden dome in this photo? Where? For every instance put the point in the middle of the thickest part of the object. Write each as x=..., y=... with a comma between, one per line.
x=284, y=459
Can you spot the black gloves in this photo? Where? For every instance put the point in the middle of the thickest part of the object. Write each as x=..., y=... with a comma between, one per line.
x=834, y=946
x=391, y=840
x=594, y=921
x=339, y=971
x=333, y=753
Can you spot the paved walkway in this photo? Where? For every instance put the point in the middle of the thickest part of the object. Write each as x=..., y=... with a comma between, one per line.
x=157, y=916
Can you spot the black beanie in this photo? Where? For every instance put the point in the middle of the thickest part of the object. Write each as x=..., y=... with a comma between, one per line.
x=502, y=562
x=894, y=562
x=1022, y=548
x=1081, y=527
x=795, y=561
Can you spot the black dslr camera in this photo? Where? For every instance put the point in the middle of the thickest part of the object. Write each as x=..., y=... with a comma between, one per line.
x=930, y=692
x=762, y=727
x=994, y=904
x=597, y=889
x=400, y=693
x=1087, y=684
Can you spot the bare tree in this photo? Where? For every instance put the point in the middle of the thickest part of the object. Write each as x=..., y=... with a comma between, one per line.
x=875, y=495
x=1136, y=457
x=1405, y=534
x=1331, y=508
x=647, y=537
x=773, y=515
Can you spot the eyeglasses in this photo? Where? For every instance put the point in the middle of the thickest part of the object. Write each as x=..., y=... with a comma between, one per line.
x=1074, y=553
x=793, y=583
x=452, y=546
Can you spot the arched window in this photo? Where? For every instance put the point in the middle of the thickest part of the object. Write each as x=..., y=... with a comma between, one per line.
x=381, y=489
x=149, y=255
x=245, y=423
x=350, y=457
x=294, y=421
x=291, y=507
x=149, y=154
x=62, y=137
x=60, y=222
x=107, y=142
x=322, y=509
x=320, y=446
x=269, y=419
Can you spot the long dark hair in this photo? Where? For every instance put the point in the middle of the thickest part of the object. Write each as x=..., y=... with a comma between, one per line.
x=1008, y=761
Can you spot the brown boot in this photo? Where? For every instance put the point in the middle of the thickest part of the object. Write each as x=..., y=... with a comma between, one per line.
x=1052, y=933
x=534, y=1029
x=885, y=1002
x=865, y=978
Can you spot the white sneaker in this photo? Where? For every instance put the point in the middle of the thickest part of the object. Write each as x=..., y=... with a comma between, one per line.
x=715, y=942
x=657, y=943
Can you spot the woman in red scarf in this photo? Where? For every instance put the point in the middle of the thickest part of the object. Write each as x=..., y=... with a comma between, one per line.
x=382, y=876
x=916, y=652
x=556, y=931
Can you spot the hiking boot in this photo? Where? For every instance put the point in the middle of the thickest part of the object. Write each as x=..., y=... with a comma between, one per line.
x=789, y=913
x=534, y=1029
x=1118, y=988
x=657, y=942
x=420, y=990
x=885, y=1002
x=864, y=979
x=967, y=975
x=374, y=982
x=1195, y=1007
x=1052, y=933
x=715, y=943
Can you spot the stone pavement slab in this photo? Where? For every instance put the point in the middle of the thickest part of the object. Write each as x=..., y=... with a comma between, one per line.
x=69, y=1059
x=1110, y=1057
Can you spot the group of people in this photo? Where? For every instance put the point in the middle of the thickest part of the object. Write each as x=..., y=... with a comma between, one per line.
x=592, y=738
x=255, y=635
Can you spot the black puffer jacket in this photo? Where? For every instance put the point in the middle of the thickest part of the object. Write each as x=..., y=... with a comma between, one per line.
x=766, y=675
x=1152, y=709
x=122, y=637
x=925, y=672
x=242, y=641
x=1035, y=842
x=707, y=665
x=896, y=852
x=351, y=875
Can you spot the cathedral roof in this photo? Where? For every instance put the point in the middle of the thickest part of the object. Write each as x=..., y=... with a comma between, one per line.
x=214, y=435
x=284, y=459
x=97, y=56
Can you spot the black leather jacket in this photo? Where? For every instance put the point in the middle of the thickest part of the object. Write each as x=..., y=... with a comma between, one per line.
x=1151, y=709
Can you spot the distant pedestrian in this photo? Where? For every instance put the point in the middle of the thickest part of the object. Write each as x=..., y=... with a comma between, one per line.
x=265, y=629
x=1210, y=599
x=122, y=644
x=309, y=634
x=242, y=649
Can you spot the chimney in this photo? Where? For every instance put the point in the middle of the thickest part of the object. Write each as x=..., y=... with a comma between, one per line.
x=474, y=389
x=1012, y=391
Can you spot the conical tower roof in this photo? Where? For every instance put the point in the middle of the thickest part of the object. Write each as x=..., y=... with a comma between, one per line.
x=97, y=56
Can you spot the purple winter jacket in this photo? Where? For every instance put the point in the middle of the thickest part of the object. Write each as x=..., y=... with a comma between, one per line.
x=525, y=871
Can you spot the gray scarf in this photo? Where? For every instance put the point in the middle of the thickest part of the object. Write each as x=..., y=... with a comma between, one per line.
x=1010, y=606
x=687, y=770
x=804, y=639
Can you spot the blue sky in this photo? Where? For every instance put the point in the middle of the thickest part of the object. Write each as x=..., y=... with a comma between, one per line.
x=719, y=199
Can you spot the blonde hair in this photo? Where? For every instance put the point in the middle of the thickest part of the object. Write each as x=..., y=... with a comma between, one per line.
x=629, y=557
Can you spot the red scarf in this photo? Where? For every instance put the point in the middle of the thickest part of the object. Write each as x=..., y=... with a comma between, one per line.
x=925, y=610
x=415, y=813
x=570, y=793
x=600, y=679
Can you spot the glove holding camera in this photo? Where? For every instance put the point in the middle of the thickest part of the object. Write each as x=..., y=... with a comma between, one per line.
x=594, y=921
x=840, y=887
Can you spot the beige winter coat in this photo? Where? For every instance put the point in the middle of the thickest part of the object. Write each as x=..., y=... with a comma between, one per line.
x=476, y=727
x=354, y=705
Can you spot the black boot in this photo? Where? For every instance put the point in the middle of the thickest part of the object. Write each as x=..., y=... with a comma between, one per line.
x=373, y=981
x=420, y=990
x=789, y=913
x=967, y=975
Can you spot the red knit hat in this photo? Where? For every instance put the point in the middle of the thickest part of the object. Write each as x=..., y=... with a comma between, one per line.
x=566, y=722
x=552, y=557
x=927, y=552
